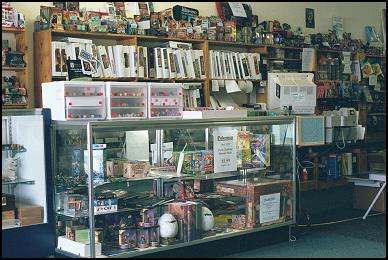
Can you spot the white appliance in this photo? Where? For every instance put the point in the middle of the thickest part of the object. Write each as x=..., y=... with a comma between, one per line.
x=294, y=90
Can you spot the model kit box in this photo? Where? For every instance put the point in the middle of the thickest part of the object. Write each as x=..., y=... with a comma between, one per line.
x=115, y=167
x=268, y=201
x=232, y=187
x=136, y=169
x=189, y=217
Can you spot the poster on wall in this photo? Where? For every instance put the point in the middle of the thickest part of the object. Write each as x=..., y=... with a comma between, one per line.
x=225, y=150
x=338, y=26
x=310, y=19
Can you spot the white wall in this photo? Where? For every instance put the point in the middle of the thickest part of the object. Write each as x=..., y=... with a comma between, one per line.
x=356, y=15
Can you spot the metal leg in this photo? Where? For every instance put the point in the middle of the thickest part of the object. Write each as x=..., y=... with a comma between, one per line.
x=374, y=200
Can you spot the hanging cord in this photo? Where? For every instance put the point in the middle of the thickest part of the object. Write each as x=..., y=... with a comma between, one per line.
x=343, y=140
x=337, y=221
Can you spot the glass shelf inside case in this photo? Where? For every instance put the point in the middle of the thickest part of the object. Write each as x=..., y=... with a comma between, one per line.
x=162, y=184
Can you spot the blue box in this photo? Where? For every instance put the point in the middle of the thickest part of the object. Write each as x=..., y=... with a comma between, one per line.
x=333, y=168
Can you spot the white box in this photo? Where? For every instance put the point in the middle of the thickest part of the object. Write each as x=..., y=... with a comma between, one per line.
x=333, y=120
x=126, y=100
x=74, y=100
x=224, y=113
x=77, y=248
x=192, y=114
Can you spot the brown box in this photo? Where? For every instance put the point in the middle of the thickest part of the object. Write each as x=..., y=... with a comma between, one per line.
x=136, y=169
x=30, y=221
x=114, y=167
x=30, y=211
x=363, y=197
x=265, y=187
x=233, y=187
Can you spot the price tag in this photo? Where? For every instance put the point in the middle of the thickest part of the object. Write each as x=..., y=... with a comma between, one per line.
x=225, y=151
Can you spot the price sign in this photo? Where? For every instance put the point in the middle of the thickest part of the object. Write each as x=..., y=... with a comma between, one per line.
x=225, y=152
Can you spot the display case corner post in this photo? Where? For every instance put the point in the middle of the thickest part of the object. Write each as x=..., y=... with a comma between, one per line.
x=89, y=132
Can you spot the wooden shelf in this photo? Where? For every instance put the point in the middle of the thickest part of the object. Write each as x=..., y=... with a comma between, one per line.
x=12, y=30
x=284, y=47
x=331, y=51
x=375, y=56
x=132, y=79
x=98, y=35
x=11, y=68
x=285, y=59
x=13, y=106
x=233, y=44
x=332, y=80
x=165, y=39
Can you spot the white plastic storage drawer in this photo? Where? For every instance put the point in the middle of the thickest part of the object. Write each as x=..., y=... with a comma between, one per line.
x=88, y=113
x=126, y=100
x=72, y=100
x=85, y=101
x=165, y=100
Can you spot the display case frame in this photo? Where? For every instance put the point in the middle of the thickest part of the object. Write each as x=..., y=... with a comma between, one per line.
x=170, y=125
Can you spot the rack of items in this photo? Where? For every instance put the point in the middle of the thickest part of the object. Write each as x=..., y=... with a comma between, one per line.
x=15, y=85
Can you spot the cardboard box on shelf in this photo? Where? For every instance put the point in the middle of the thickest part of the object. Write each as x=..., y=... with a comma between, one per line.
x=30, y=214
x=377, y=161
x=363, y=197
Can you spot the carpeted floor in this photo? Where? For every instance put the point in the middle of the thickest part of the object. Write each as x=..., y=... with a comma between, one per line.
x=352, y=239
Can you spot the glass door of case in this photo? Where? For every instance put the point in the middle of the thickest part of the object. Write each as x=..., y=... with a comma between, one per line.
x=25, y=166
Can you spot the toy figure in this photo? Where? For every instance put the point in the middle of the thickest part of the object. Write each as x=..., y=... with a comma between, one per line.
x=9, y=173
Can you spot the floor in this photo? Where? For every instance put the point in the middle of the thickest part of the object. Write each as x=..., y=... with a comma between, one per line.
x=353, y=239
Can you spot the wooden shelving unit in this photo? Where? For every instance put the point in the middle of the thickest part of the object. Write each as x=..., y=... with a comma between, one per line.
x=21, y=72
x=42, y=55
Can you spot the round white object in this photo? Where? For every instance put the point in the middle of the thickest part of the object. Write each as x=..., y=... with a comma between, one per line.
x=168, y=226
x=207, y=219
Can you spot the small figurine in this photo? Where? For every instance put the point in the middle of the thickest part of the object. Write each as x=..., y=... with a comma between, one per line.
x=9, y=173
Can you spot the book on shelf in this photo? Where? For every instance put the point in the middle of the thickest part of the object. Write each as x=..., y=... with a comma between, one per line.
x=189, y=64
x=126, y=59
x=158, y=63
x=178, y=61
x=143, y=61
x=118, y=57
x=164, y=59
x=104, y=59
x=112, y=61
x=58, y=58
x=133, y=61
x=151, y=63
x=171, y=63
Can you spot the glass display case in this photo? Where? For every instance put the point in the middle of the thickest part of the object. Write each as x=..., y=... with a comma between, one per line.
x=136, y=187
x=27, y=212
